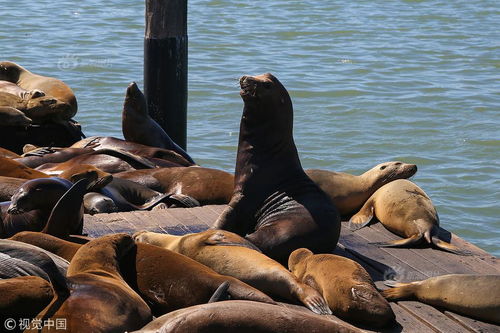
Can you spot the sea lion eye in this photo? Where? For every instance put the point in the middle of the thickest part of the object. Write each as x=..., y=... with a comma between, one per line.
x=267, y=85
x=383, y=167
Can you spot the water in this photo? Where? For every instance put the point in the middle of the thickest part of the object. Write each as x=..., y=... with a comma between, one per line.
x=371, y=81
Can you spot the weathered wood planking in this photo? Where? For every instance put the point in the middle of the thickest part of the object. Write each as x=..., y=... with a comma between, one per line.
x=382, y=263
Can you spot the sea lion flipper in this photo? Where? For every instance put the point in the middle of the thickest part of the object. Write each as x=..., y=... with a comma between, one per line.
x=314, y=301
x=415, y=239
x=361, y=218
x=182, y=200
x=401, y=291
x=221, y=293
x=449, y=247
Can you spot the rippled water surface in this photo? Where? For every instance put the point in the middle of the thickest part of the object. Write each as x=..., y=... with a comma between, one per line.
x=371, y=81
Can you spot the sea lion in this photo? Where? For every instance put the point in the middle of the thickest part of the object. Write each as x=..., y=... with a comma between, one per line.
x=244, y=317
x=168, y=281
x=14, y=73
x=229, y=254
x=346, y=286
x=9, y=186
x=206, y=185
x=23, y=297
x=53, y=244
x=7, y=153
x=50, y=205
x=12, y=168
x=404, y=209
x=99, y=300
x=41, y=155
x=349, y=192
x=139, y=127
x=153, y=153
x=476, y=296
x=10, y=116
x=274, y=201
x=14, y=89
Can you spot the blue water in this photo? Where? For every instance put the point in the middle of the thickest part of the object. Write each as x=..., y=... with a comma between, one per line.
x=371, y=81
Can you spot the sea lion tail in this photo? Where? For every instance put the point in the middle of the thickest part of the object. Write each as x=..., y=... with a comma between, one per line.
x=221, y=293
x=399, y=292
x=449, y=247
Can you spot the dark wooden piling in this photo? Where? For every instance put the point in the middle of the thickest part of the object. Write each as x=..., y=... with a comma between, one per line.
x=165, y=65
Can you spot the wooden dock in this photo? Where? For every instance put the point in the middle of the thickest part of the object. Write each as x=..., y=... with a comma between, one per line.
x=382, y=263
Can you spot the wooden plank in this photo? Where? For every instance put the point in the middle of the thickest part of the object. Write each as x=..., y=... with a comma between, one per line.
x=206, y=215
x=472, y=324
x=182, y=222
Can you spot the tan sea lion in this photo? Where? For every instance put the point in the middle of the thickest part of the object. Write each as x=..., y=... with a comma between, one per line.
x=244, y=317
x=12, y=168
x=404, y=209
x=14, y=73
x=274, y=203
x=139, y=127
x=229, y=254
x=346, y=286
x=349, y=192
x=23, y=297
x=10, y=116
x=99, y=300
x=476, y=296
x=7, y=153
x=155, y=154
x=12, y=88
x=206, y=185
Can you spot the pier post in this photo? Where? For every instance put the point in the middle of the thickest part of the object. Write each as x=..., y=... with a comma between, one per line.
x=165, y=66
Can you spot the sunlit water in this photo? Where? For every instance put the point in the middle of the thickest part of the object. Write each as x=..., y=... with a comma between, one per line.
x=371, y=81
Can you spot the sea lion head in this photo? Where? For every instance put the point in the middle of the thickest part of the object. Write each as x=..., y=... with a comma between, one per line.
x=388, y=171
x=10, y=71
x=38, y=193
x=135, y=101
x=264, y=89
x=297, y=256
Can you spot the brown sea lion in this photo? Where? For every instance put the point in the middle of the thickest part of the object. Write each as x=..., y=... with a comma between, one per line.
x=244, y=317
x=138, y=126
x=9, y=186
x=23, y=297
x=14, y=73
x=14, y=89
x=349, y=192
x=7, y=153
x=404, y=209
x=274, y=202
x=56, y=245
x=12, y=168
x=346, y=286
x=476, y=296
x=10, y=116
x=99, y=299
x=169, y=281
x=229, y=254
x=206, y=185
x=153, y=153
x=39, y=156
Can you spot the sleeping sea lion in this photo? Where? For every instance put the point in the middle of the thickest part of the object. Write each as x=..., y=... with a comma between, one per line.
x=53, y=244
x=9, y=186
x=404, y=209
x=476, y=296
x=7, y=153
x=14, y=89
x=274, y=203
x=229, y=254
x=349, y=192
x=10, y=116
x=11, y=168
x=346, y=286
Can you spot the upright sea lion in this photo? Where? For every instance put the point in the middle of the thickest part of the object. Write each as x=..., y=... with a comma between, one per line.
x=12, y=168
x=12, y=88
x=10, y=116
x=244, y=317
x=349, y=192
x=404, y=209
x=152, y=153
x=274, y=202
x=14, y=73
x=23, y=297
x=476, y=296
x=138, y=126
x=99, y=299
x=168, y=281
x=229, y=254
x=346, y=286
x=206, y=185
